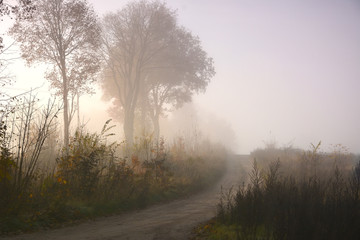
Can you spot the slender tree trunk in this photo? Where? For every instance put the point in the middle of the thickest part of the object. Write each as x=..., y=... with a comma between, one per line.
x=78, y=109
x=66, y=119
x=143, y=124
x=156, y=127
x=144, y=109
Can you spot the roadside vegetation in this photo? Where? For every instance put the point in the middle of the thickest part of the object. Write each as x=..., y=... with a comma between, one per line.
x=147, y=65
x=43, y=187
x=292, y=194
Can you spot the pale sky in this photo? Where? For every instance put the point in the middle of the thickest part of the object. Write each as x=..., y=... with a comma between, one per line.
x=286, y=70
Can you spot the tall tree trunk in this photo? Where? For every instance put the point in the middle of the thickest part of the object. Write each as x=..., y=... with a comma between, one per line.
x=129, y=127
x=144, y=109
x=66, y=105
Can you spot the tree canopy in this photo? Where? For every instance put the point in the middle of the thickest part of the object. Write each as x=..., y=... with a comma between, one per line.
x=152, y=64
x=66, y=35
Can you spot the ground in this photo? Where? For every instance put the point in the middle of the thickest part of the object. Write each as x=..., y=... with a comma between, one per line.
x=174, y=220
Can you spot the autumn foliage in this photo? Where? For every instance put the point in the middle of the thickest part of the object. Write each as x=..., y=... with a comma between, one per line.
x=93, y=177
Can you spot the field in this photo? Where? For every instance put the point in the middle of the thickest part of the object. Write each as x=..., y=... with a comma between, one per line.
x=292, y=194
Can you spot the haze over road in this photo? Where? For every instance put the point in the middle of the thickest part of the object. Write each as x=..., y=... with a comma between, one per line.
x=173, y=220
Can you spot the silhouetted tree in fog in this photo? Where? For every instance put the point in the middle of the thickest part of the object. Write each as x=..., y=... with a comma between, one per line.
x=65, y=34
x=182, y=70
x=152, y=63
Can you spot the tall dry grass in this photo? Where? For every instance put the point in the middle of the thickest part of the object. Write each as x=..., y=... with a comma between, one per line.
x=93, y=177
x=292, y=194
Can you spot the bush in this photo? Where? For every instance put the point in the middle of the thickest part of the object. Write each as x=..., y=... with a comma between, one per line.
x=93, y=178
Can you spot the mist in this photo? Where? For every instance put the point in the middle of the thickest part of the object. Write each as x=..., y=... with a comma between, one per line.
x=114, y=107
x=285, y=70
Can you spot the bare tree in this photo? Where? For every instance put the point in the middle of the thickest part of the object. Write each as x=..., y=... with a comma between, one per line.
x=6, y=78
x=147, y=62
x=31, y=132
x=65, y=34
x=22, y=137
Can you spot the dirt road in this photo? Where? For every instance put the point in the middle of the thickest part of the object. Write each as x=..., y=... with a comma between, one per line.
x=173, y=220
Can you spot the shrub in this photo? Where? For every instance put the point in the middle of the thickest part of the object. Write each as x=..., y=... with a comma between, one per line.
x=93, y=178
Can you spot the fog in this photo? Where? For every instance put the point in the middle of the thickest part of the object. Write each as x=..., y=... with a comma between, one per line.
x=166, y=115
x=286, y=71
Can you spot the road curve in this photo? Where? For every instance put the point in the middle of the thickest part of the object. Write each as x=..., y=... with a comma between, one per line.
x=173, y=220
